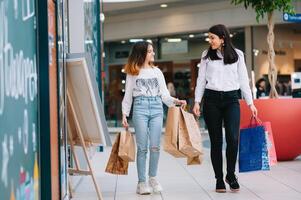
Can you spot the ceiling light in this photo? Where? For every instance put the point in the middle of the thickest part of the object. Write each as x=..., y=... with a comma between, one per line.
x=231, y=35
x=102, y=17
x=207, y=39
x=163, y=5
x=174, y=40
x=256, y=52
x=191, y=36
x=88, y=41
x=136, y=40
x=206, y=34
x=123, y=42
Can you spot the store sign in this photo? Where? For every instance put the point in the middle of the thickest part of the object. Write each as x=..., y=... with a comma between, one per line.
x=291, y=18
x=174, y=47
x=277, y=52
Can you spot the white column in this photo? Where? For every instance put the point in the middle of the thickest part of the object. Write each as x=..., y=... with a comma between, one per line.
x=76, y=26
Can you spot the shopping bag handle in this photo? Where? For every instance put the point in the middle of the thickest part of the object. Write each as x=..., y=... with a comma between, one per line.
x=183, y=107
x=254, y=121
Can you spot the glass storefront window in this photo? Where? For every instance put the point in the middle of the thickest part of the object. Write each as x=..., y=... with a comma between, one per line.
x=287, y=56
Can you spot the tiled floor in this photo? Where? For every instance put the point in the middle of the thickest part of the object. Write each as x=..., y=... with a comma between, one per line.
x=182, y=182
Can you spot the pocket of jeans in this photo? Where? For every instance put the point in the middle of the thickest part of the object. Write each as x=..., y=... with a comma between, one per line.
x=137, y=102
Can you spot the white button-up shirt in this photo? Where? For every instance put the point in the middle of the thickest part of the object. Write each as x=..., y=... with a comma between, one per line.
x=215, y=75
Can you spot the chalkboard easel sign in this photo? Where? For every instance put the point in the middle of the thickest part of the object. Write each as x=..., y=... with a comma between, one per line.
x=19, y=126
x=86, y=120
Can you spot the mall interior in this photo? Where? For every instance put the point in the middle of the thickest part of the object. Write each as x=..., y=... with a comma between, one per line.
x=62, y=82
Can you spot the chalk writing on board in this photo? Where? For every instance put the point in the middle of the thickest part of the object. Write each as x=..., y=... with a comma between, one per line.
x=27, y=9
x=5, y=159
x=11, y=145
x=19, y=178
x=25, y=132
x=18, y=75
x=19, y=135
x=16, y=8
x=34, y=137
x=1, y=57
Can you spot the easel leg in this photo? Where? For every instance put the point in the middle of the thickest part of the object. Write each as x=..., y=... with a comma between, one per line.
x=91, y=170
x=84, y=147
x=70, y=189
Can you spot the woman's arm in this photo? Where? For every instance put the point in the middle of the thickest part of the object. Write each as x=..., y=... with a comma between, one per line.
x=165, y=95
x=244, y=79
x=244, y=83
x=201, y=80
x=200, y=85
x=128, y=96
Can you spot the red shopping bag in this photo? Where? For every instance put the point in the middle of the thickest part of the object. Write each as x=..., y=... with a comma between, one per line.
x=270, y=143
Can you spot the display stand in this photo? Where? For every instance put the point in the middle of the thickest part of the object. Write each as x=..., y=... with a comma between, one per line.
x=86, y=120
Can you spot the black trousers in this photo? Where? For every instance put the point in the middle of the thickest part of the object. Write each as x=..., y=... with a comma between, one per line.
x=222, y=108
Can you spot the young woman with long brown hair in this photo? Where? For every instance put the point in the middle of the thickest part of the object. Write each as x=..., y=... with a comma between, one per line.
x=146, y=90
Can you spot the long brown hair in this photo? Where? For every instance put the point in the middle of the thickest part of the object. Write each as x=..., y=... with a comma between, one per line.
x=137, y=58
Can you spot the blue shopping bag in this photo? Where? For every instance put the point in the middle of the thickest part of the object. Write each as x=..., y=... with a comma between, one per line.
x=253, y=151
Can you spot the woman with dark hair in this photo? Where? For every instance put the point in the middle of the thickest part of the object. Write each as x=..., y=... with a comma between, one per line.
x=261, y=88
x=146, y=90
x=222, y=72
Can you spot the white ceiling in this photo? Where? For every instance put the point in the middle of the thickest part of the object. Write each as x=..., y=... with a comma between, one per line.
x=130, y=5
x=140, y=6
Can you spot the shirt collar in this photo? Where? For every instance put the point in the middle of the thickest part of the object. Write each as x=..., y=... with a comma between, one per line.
x=219, y=53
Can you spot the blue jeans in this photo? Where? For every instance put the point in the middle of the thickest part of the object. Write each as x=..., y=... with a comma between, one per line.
x=148, y=122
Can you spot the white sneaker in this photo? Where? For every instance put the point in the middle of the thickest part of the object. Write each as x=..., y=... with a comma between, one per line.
x=143, y=188
x=155, y=185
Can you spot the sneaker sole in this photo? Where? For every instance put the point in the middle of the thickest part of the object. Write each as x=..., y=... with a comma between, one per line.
x=157, y=191
x=145, y=193
x=220, y=190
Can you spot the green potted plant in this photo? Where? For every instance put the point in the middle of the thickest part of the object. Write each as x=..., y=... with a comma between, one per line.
x=263, y=8
x=284, y=114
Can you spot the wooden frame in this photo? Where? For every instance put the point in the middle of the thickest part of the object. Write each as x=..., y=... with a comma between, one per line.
x=73, y=120
x=86, y=120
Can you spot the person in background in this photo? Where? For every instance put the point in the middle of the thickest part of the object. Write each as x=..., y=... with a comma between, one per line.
x=261, y=88
x=222, y=72
x=171, y=89
x=146, y=90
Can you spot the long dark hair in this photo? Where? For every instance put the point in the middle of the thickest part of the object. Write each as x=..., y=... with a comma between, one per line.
x=230, y=55
x=137, y=58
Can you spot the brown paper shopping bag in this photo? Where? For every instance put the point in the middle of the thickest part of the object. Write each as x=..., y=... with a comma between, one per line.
x=127, y=146
x=190, y=141
x=116, y=165
x=197, y=160
x=171, y=132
